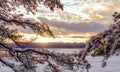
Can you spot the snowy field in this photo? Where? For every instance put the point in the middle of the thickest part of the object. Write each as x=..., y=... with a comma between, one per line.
x=112, y=66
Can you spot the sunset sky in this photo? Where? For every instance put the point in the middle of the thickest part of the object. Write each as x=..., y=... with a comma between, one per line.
x=79, y=20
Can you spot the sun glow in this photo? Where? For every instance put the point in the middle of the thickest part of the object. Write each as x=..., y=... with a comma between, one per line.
x=40, y=39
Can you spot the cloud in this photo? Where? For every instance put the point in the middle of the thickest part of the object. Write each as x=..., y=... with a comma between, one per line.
x=93, y=11
x=77, y=11
x=79, y=17
x=81, y=27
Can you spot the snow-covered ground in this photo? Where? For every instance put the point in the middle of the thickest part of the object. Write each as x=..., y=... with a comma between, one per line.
x=112, y=66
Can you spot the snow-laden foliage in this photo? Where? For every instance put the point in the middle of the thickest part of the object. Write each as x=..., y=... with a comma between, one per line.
x=106, y=43
x=26, y=60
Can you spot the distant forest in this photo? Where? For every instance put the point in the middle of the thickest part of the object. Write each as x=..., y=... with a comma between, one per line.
x=50, y=45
